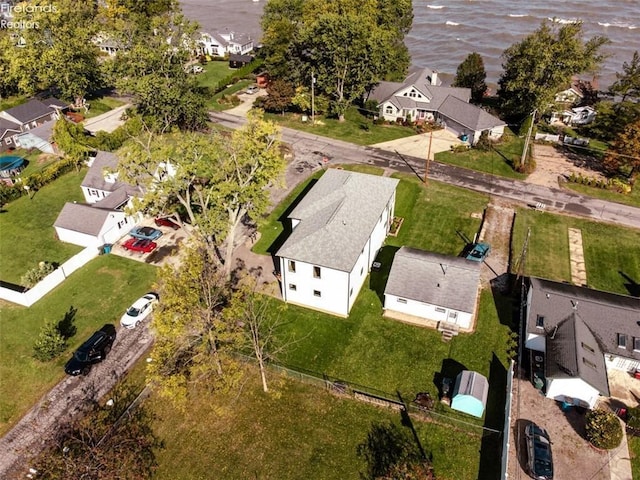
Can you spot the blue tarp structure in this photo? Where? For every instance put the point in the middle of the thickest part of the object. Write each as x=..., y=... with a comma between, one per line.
x=470, y=393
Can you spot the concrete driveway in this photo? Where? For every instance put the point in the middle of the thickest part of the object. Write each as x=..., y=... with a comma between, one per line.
x=247, y=102
x=418, y=145
x=107, y=122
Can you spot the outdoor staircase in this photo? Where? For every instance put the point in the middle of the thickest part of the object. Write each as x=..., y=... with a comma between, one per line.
x=449, y=330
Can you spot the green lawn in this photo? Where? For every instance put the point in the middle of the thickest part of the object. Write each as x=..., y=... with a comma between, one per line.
x=213, y=73
x=27, y=236
x=300, y=432
x=355, y=129
x=634, y=452
x=610, y=251
x=101, y=291
x=100, y=105
x=632, y=198
x=496, y=162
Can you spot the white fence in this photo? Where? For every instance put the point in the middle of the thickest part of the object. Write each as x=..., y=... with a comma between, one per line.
x=506, y=438
x=51, y=281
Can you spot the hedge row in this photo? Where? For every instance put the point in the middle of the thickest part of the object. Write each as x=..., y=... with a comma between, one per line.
x=238, y=75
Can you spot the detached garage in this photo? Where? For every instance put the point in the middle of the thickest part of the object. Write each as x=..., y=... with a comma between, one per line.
x=470, y=393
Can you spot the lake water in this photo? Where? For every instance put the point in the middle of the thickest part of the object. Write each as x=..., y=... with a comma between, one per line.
x=445, y=32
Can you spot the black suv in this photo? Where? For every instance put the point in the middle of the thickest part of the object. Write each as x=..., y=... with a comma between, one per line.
x=92, y=351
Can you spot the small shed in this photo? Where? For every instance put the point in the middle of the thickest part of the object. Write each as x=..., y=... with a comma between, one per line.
x=470, y=393
x=237, y=61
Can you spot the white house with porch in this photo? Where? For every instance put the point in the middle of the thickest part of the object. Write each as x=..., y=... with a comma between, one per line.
x=580, y=335
x=430, y=289
x=221, y=44
x=422, y=97
x=336, y=232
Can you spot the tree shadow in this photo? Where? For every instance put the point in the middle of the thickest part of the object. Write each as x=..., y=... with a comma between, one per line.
x=284, y=220
x=386, y=447
x=378, y=278
x=13, y=286
x=66, y=327
x=506, y=306
x=520, y=441
x=491, y=445
x=632, y=286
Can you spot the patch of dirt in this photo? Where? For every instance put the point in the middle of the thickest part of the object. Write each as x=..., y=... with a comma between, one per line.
x=573, y=457
x=496, y=231
x=552, y=163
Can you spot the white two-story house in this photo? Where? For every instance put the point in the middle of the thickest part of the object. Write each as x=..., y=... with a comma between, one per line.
x=337, y=230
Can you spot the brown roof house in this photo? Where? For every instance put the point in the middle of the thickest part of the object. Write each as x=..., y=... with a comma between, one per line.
x=581, y=335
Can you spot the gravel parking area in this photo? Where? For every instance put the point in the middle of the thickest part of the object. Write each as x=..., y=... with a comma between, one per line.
x=573, y=457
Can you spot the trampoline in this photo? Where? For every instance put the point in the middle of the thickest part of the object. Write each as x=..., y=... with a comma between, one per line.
x=11, y=165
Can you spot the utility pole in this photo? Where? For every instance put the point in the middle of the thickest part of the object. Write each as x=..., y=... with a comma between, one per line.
x=528, y=139
x=426, y=170
x=313, y=106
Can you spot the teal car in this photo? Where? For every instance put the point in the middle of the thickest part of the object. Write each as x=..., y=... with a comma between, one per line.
x=479, y=252
x=145, y=233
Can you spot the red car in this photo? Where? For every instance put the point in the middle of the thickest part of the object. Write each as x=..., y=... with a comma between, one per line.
x=139, y=245
x=166, y=222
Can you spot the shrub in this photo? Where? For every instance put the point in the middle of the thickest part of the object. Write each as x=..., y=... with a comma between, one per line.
x=633, y=418
x=603, y=429
x=36, y=274
x=50, y=342
x=459, y=148
x=484, y=143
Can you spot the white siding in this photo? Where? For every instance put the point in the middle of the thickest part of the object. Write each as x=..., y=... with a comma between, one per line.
x=561, y=388
x=427, y=311
x=76, y=238
x=116, y=227
x=332, y=285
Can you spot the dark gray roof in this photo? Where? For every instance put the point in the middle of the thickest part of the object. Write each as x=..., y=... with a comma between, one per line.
x=8, y=126
x=115, y=200
x=606, y=314
x=55, y=103
x=442, y=280
x=572, y=351
x=236, y=57
x=82, y=218
x=337, y=218
x=29, y=111
x=105, y=161
x=43, y=131
x=468, y=115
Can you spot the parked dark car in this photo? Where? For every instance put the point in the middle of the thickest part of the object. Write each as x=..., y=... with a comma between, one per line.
x=92, y=351
x=540, y=461
x=166, y=222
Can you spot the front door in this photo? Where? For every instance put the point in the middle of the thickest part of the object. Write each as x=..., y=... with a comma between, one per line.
x=452, y=317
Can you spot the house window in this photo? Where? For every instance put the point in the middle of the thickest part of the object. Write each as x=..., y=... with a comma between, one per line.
x=317, y=293
x=8, y=141
x=588, y=347
x=402, y=300
x=440, y=310
x=636, y=343
x=316, y=272
x=293, y=287
x=412, y=94
x=292, y=266
x=389, y=110
x=540, y=321
x=622, y=340
x=589, y=363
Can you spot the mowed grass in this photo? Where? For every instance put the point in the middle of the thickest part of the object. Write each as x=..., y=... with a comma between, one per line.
x=634, y=452
x=497, y=161
x=213, y=73
x=27, y=236
x=100, y=105
x=355, y=129
x=612, y=253
x=298, y=432
x=632, y=198
x=100, y=291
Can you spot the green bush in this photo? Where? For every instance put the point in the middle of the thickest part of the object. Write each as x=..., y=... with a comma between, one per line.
x=603, y=429
x=633, y=418
x=50, y=342
x=36, y=274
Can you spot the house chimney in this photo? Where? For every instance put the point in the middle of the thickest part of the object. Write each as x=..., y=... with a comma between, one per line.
x=434, y=78
x=574, y=304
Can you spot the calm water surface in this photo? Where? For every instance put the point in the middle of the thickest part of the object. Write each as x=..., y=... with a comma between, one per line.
x=445, y=32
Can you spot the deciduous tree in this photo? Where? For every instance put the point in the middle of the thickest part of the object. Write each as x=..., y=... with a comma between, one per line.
x=623, y=156
x=471, y=74
x=193, y=341
x=627, y=83
x=540, y=65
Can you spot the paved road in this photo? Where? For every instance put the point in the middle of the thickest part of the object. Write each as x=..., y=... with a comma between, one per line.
x=312, y=148
x=66, y=399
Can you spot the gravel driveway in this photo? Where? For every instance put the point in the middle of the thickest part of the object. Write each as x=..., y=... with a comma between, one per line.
x=66, y=399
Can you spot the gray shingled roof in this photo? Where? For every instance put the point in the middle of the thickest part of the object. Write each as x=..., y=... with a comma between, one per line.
x=567, y=357
x=337, y=217
x=468, y=115
x=606, y=314
x=442, y=280
x=8, y=126
x=95, y=175
x=43, y=131
x=81, y=218
x=29, y=111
